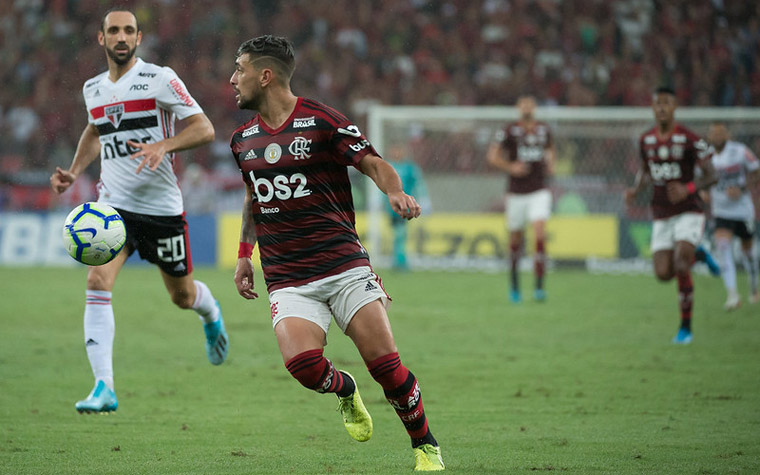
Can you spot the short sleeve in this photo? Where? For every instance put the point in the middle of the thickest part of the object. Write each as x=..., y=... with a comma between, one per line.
x=349, y=143
x=174, y=96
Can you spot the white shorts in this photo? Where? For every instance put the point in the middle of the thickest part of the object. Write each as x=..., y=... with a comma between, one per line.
x=681, y=227
x=527, y=208
x=339, y=296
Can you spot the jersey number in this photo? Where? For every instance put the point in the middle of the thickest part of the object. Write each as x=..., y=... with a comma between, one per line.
x=280, y=187
x=665, y=171
x=171, y=249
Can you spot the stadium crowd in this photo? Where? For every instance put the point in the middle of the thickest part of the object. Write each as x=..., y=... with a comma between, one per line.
x=355, y=53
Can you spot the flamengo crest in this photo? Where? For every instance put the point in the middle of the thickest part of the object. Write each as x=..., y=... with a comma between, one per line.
x=300, y=148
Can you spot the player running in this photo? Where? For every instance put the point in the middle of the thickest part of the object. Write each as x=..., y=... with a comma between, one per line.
x=525, y=151
x=670, y=155
x=732, y=209
x=131, y=112
x=298, y=206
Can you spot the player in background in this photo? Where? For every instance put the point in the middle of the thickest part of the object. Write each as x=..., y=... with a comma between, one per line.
x=131, y=111
x=525, y=151
x=298, y=207
x=738, y=171
x=670, y=155
x=413, y=183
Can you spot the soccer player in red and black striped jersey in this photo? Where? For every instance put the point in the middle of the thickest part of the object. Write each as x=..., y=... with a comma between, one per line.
x=298, y=206
x=670, y=156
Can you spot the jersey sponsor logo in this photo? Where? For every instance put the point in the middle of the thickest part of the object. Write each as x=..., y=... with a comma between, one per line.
x=300, y=148
x=359, y=146
x=120, y=148
x=303, y=122
x=351, y=130
x=138, y=87
x=179, y=90
x=665, y=171
x=272, y=153
x=146, y=75
x=650, y=140
x=270, y=210
x=279, y=187
x=663, y=153
x=254, y=129
x=678, y=138
x=250, y=155
x=114, y=114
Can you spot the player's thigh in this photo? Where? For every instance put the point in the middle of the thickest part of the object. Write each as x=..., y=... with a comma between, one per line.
x=539, y=206
x=300, y=321
x=370, y=330
x=516, y=211
x=104, y=277
x=296, y=335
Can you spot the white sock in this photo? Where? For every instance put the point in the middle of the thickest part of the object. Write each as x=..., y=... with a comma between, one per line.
x=99, y=329
x=205, y=304
x=751, y=266
x=727, y=266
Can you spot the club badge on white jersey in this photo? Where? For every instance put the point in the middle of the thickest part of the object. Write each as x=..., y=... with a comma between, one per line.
x=140, y=107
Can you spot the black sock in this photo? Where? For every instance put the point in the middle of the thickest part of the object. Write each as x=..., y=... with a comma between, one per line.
x=348, y=386
x=427, y=439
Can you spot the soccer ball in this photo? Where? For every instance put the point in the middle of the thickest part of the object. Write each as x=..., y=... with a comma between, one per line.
x=94, y=233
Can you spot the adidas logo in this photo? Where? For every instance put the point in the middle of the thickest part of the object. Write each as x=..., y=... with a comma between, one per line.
x=91, y=342
x=370, y=286
x=250, y=155
x=179, y=267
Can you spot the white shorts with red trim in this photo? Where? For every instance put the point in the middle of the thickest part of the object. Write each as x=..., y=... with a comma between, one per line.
x=339, y=296
x=667, y=232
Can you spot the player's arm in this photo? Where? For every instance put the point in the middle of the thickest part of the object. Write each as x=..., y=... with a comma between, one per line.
x=643, y=178
x=550, y=157
x=88, y=149
x=198, y=131
x=678, y=191
x=388, y=181
x=498, y=157
x=244, y=266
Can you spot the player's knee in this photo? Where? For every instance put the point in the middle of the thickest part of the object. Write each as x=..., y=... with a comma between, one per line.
x=98, y=282
x=182, y=299
x=663, y=274
x=310, y=369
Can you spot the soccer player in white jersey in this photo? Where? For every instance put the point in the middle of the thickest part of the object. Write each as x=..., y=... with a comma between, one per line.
x=131, y=112
x=738, y=172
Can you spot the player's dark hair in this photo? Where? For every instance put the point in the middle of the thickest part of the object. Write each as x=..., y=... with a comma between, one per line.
x=117, y=8
x=665, y=90
x=278, y=50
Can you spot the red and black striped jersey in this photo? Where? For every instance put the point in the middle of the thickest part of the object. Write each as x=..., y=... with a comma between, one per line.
x=672, y=158
x=303, y=209
x=528, y=145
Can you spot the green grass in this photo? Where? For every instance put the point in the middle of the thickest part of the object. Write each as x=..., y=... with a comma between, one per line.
x=586, y=383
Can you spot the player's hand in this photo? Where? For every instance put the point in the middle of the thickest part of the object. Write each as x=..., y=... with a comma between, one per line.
x=61, y=180
x=151, y=153
x=244, y=278
x=404, y=205
x=676, y=191
x=519, y=169
x=628, y=196
x=734, y=192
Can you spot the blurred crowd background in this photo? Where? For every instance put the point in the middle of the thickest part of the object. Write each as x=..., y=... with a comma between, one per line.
x=351, y=54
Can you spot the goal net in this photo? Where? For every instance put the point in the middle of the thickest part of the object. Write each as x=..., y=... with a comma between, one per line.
x=464, y=227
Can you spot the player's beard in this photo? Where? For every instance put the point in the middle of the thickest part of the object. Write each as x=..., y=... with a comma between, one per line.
x=251, y=103
x=121, y=60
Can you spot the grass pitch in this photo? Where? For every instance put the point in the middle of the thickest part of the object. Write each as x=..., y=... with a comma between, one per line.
x=587, y=382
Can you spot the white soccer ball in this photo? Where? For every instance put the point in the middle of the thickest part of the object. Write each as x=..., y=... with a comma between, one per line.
x=94, y=233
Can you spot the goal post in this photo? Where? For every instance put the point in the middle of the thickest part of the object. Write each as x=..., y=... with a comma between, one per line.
x=597, y=158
